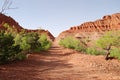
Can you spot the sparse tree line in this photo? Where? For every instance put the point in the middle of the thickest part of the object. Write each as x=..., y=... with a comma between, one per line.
x=108, y=45
x=16, y=45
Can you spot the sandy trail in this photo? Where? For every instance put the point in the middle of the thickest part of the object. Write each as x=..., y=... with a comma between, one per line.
x=61, y=64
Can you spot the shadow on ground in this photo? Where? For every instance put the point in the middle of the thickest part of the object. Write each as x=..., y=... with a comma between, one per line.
x=30, y=68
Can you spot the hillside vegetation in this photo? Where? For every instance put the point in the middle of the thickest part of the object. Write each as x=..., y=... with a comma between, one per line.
x=16, y=45
x=108, y=44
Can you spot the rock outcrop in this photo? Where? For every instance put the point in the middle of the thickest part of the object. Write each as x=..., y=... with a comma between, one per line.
x=12, y=23
x=95, y=29
x=107, y=23
x=9, y=20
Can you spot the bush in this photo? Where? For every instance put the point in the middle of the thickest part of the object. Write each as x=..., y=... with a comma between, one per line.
x=8, y=50
x=94, y=51
x=72, y=43
x=27, y=41
x=69, y=42
x=20, y=56
x=80, y=48
x=115, y=53
x=108, y=41
x=14, y=45
x=32, y=42
x=45, y=43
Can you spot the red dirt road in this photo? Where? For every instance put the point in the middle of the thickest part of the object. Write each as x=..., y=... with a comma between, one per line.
x=61, y=64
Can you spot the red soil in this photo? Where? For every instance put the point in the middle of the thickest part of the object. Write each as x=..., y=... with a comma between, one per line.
x=61, y=64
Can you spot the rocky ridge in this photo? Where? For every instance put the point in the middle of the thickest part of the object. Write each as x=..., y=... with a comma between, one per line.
x=9, y=20
x=93, y=29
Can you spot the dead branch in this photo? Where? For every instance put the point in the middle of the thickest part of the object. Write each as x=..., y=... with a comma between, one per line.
x=6, y=6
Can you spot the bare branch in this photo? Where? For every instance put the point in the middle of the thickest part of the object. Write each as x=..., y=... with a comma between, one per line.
x=6, y=6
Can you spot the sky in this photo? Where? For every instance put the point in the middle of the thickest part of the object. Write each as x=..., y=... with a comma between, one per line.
x=59, y=15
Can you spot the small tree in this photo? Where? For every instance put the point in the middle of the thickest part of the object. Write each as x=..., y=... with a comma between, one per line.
x=8, y=51
x=108, y=41
x=27, y=41
x=9, y=29
x=45, y=43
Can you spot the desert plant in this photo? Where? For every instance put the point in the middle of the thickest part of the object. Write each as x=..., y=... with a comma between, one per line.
x=20, y=56
x=32, y=42
x=45, y=43
x=8, y=51
x=115, y=53
x=69, y=42
x=94, y=51
x=10, y=29
x=108, y=40
x=27, y=41
x=80, y=48
x=72, y=43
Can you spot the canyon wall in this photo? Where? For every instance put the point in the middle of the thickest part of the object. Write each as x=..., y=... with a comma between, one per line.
x=13, y=24
x=93, y=29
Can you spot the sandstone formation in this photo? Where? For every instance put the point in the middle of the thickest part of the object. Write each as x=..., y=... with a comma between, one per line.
x=7, y=19
x=12, y=23
x=95, y=29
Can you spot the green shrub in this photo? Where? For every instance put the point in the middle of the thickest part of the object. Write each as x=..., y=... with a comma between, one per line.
x=69, y=42
x=8, y=50
x=14, y=45
x=108, y=41
x=32, y=42
x=80, y=48
x=115, y=53
x=20, y=56
x=94, y=51
x=27, y=41
x=72, y=43
x=44, y=42
x=10, y=29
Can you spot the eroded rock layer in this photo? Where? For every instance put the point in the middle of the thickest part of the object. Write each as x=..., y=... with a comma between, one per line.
x=12, y=23
x=94, y=29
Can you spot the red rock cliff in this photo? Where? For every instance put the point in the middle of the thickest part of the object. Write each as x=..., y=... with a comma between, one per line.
x=107, y=23
x=95, y=28
x=9, y=20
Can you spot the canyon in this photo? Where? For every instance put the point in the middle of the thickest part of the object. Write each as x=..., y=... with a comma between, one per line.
x=94, y=29
x=15, y=25
x=89, y=30
x=59, y=63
